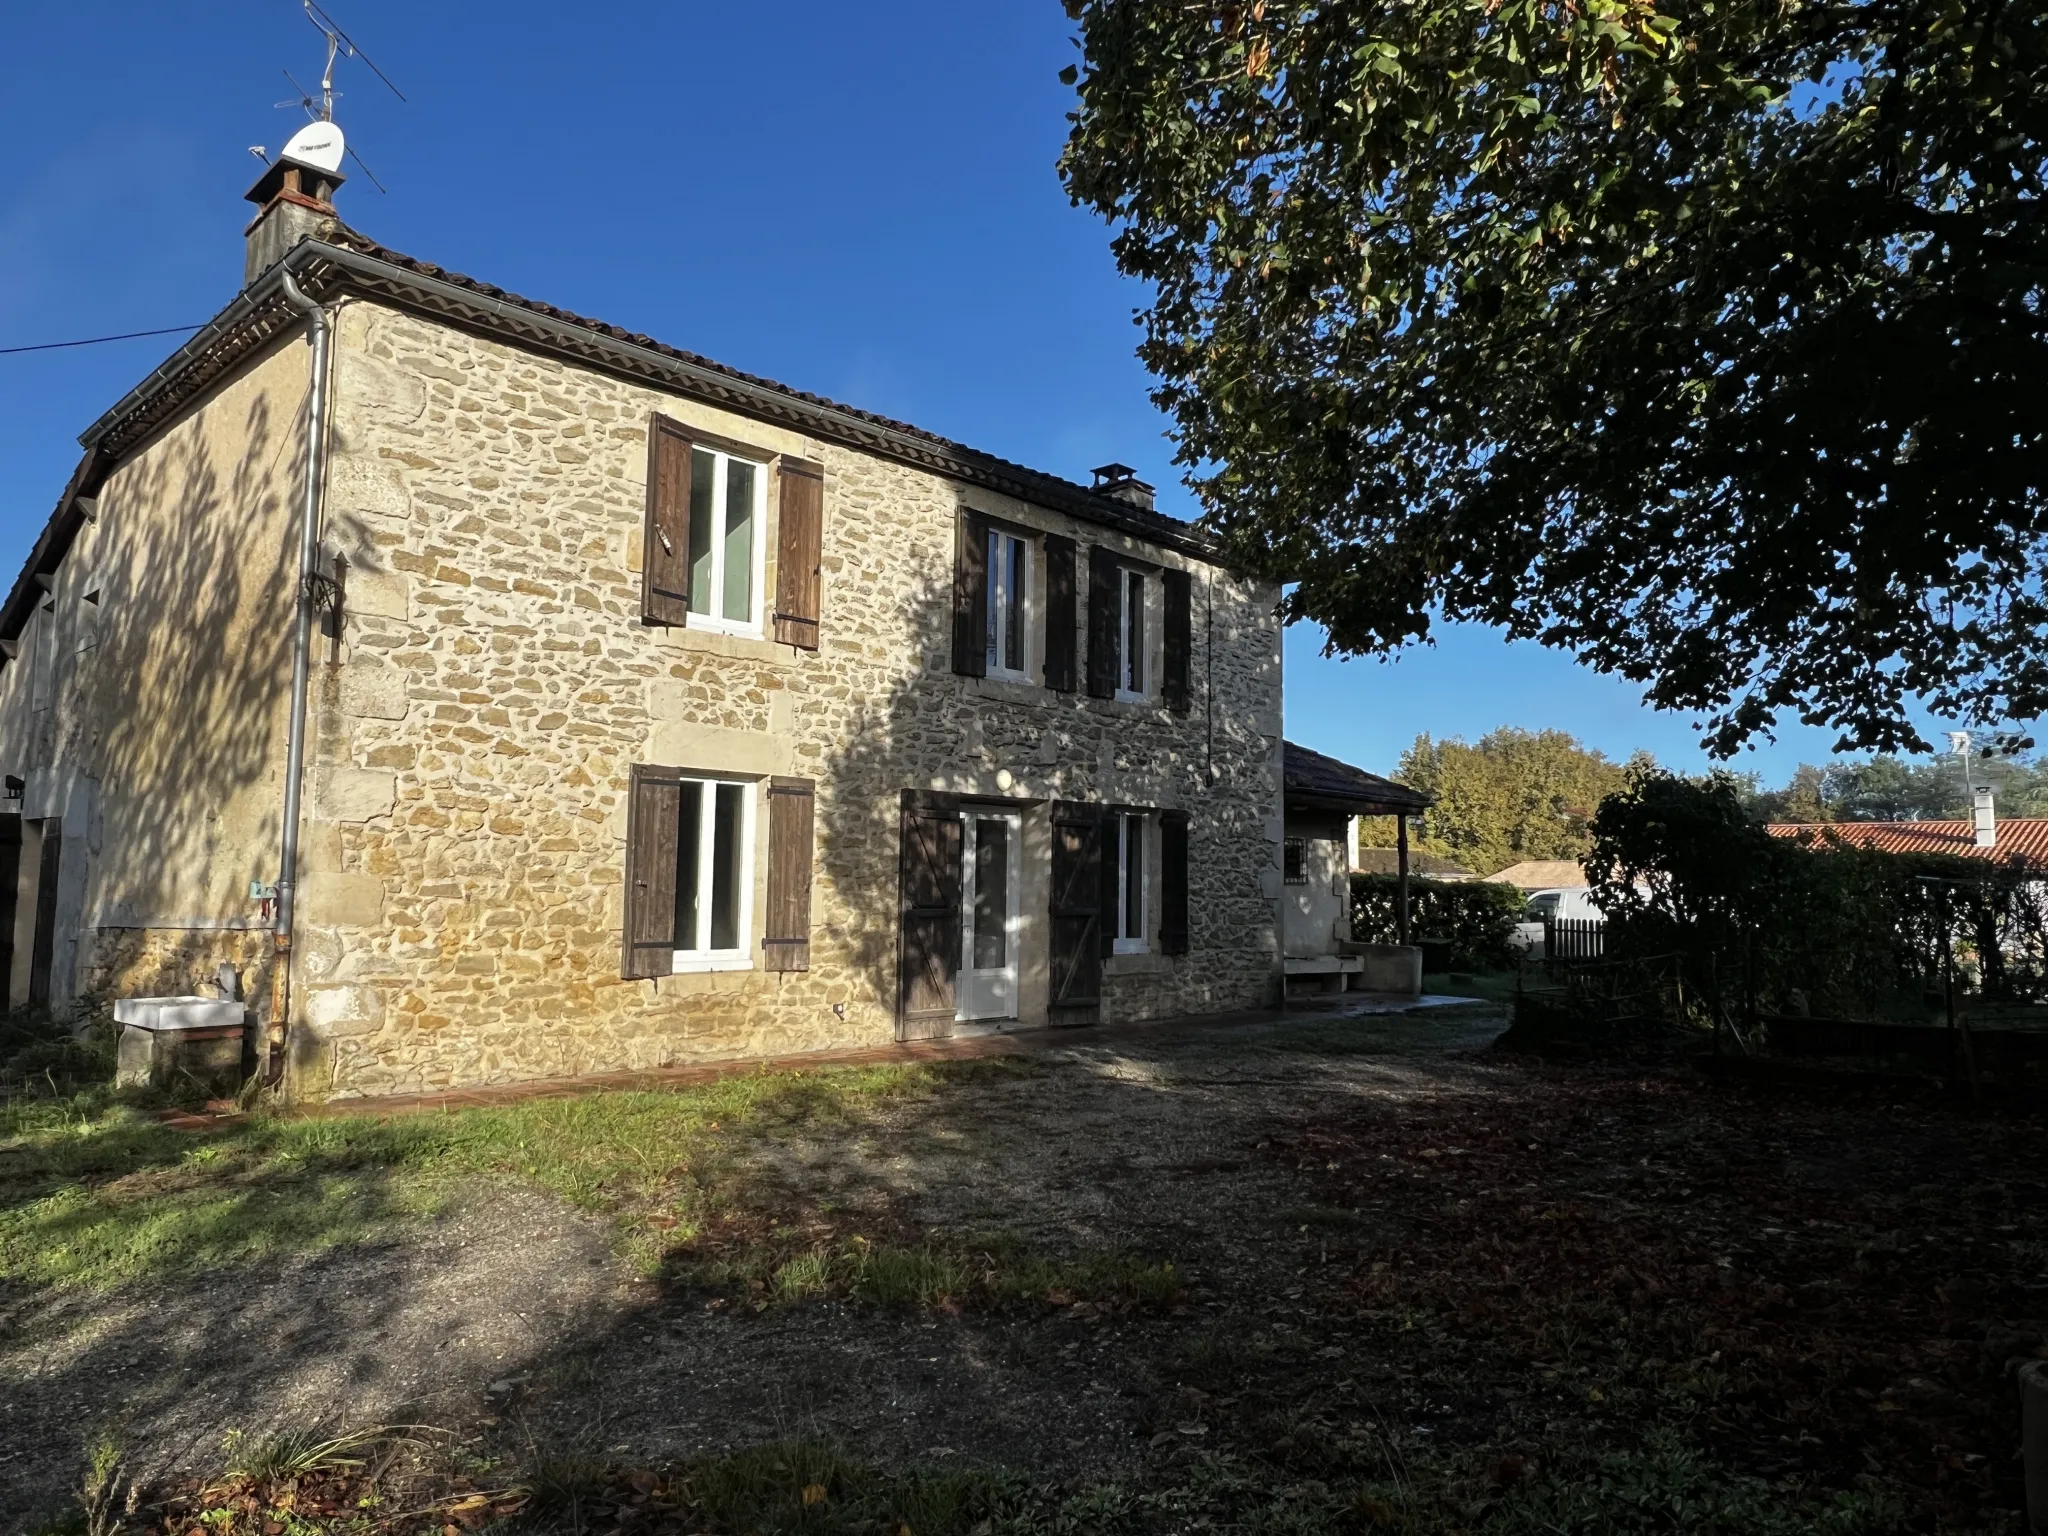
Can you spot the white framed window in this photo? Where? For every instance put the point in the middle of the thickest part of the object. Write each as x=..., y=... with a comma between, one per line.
x=714, y=875
x=1132, y=932
x=1009, y=602
x=1134, y=653
x=728, y=520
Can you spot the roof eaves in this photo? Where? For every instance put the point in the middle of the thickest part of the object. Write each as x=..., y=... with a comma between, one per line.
x=380, y=273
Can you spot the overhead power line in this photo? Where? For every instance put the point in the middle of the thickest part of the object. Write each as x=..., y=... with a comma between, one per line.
x=93, y=341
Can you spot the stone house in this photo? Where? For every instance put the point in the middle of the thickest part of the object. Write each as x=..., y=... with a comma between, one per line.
x=651, y=711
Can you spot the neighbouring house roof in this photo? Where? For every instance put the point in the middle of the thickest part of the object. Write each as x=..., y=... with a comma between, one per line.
x=1317, y=782
x=1543, y=875
x=353, y=264
x=2019, y=837
x=1433, y=866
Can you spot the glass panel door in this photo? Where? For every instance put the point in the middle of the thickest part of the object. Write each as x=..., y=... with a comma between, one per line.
x=989, y=913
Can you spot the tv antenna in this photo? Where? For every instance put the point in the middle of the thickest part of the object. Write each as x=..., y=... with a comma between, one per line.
x=339, y=45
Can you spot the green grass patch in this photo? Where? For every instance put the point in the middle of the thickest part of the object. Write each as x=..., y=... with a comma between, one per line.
x=94, y=1192
x=992, y=1271
x=815, y=1487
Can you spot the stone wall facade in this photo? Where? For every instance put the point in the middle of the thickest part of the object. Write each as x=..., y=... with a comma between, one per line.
x=476, y=718
x=146, y=709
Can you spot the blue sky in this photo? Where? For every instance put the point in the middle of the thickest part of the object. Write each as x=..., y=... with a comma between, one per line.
x=855, y=200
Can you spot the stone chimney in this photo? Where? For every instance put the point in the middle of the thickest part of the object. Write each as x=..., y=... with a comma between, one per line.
x=294, y=200
x=1986, y=817
x=1122, y=482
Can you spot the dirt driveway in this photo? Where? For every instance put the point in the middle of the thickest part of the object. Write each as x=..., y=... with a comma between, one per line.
x=511, y=1311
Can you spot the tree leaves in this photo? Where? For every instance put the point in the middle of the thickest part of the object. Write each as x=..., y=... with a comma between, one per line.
x=1698, y=342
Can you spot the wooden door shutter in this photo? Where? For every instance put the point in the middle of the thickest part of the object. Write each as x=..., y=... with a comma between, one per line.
x=799, y=547
x=1078, y=919
x=10, y=889
x=1060, y=614
x=1173, y=882
x=665, y=542
x=786, y=946
x=42, y=955
x=654, y=814
x=930, y=903
x=970, y=599
x=1180, y=638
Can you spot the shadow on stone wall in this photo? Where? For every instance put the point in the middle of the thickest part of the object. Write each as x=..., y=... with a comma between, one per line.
x=178, y=708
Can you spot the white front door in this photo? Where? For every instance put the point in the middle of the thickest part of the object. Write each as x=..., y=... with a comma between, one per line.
x=988, y=915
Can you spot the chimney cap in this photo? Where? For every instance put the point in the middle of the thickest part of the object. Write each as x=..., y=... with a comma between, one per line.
x=1109, y=476
x=296, y=179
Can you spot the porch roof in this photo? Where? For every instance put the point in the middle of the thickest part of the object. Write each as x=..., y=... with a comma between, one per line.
x=1315, y=781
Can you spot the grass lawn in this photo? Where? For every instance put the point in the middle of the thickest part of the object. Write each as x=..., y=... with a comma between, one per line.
x=95, y=1192
x=1484, y=1296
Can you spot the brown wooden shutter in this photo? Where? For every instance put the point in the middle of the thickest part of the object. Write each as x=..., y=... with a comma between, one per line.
x=786, y=946
x=665, y=542
x=1078, y=919
x=970, y=599
x=1104, y=573
x=1060, y=614
x=10, y=889
x=42, y=955
x=799, y=547
x=1109, y=878
x=930, y=904
x=654, y=814
x=1173, y=882
x=1180, y=638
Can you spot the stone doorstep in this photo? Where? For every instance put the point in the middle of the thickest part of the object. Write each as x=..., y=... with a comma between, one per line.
x=657, y=1079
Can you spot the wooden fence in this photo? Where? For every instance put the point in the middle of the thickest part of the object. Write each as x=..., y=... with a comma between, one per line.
x=1574, y=938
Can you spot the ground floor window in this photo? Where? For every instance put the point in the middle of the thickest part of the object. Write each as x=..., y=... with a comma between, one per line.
x=714, y=845
x=1131, y=931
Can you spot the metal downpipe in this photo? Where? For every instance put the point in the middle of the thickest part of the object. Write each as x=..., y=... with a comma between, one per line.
x=318, y=331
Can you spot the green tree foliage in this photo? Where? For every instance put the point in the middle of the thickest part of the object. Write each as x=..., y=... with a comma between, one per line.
x=1680, y=865
x=1512, y=795
x=1704, y=340
x=1887, y=788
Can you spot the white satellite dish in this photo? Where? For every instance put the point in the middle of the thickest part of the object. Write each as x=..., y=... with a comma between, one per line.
x=318, y=145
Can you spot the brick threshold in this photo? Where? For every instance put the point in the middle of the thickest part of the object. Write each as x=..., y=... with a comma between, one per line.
x=694, y=1074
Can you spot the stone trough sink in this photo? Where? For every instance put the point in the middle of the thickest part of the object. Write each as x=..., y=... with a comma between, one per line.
x=168, y=1042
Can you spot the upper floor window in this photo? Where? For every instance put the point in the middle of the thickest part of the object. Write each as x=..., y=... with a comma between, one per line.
x=1009, y=586
x=1133, y=669
x=1294, y=861
x=728, y=510
x=1131, y=932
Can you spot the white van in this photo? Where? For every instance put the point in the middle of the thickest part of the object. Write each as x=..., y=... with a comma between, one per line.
x=1564, y=901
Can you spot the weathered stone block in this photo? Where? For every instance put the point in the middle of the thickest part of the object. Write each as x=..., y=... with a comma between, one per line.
x=343, y=1010
x=342, y=901
x=379, y=594
x=373, y=690
x=353, y=794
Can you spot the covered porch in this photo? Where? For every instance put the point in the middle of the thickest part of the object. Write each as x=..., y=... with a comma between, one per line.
x=1319, y=952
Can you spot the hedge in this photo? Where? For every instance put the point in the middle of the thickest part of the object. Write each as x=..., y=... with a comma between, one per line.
x=1476, y=918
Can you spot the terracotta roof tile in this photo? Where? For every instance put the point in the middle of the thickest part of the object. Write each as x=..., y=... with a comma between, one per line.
x=2021, y=837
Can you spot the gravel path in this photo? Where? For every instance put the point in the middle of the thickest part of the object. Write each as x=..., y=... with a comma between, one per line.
x=513, y=1311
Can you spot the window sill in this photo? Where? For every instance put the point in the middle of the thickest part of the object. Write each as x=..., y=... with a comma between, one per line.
x=1012, y=690
x=695, y=965
x=1123, y=696
x=1133, y=947
x=748, y=647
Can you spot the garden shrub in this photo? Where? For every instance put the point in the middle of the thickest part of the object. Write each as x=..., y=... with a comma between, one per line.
x=1476, y=918
x=1679, y=867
